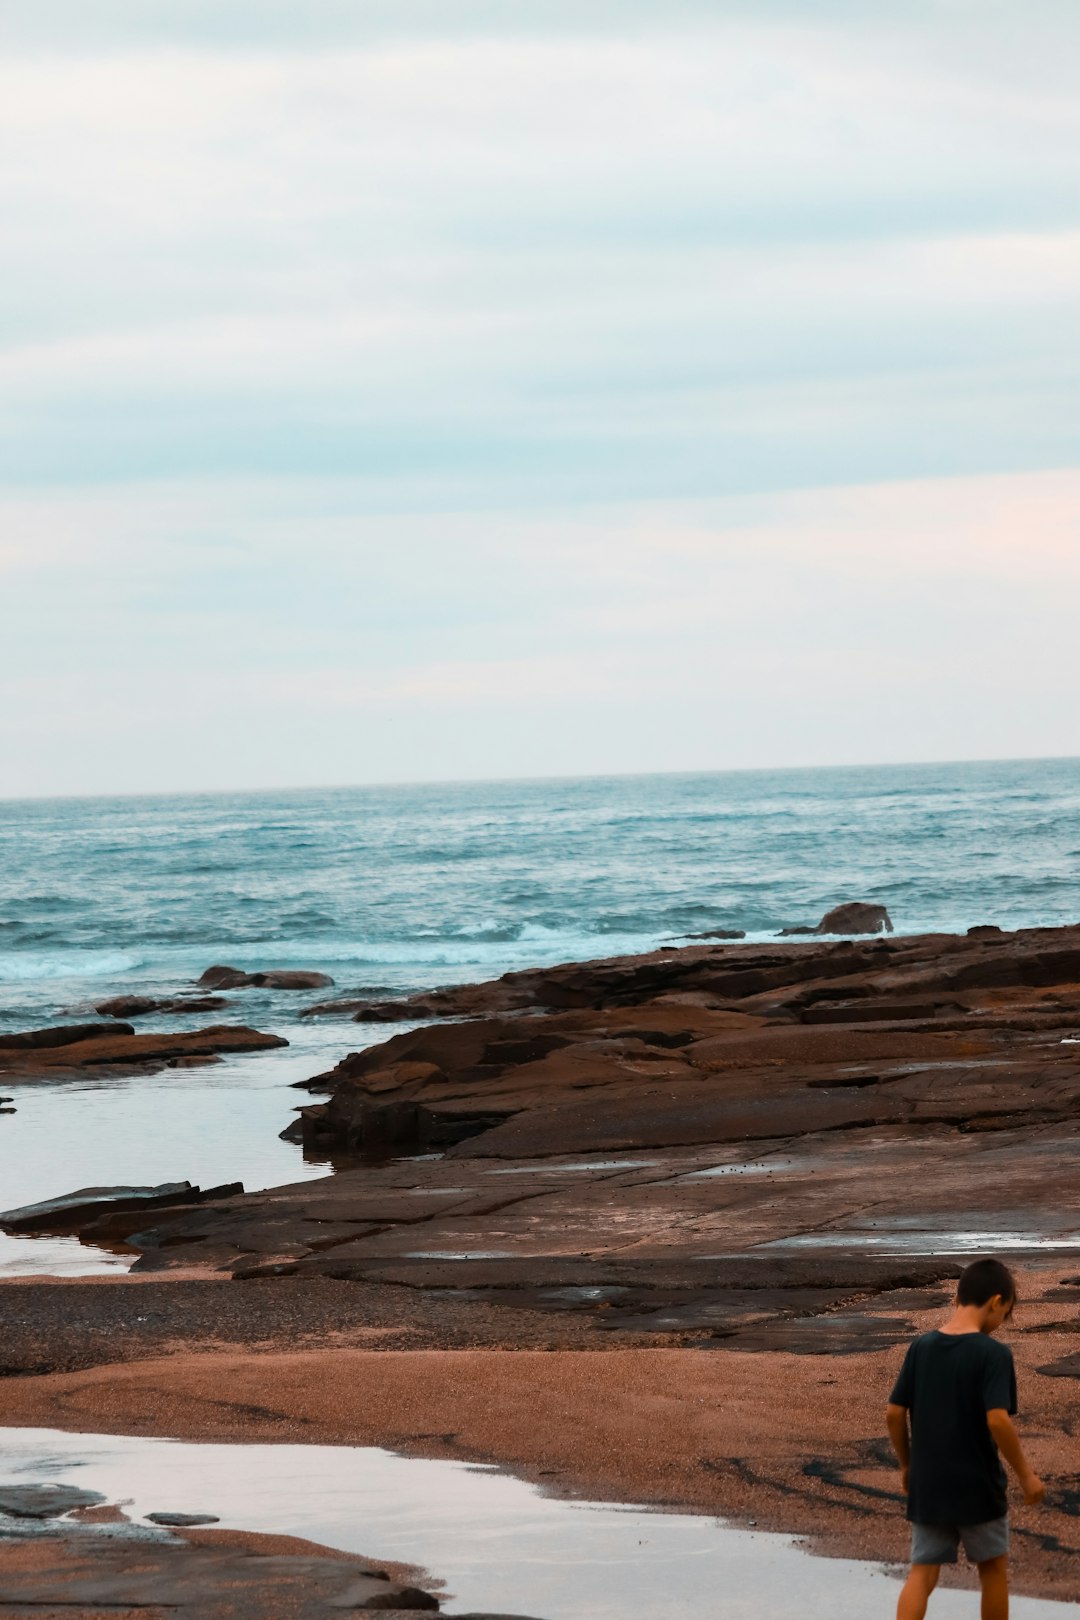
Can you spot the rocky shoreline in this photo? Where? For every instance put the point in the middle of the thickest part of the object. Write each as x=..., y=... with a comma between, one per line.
x=72, y=1551
x=752, y=1170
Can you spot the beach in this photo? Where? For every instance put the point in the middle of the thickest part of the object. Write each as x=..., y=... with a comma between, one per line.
x=646, y=1228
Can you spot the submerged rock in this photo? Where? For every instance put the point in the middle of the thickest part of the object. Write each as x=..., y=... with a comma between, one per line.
x=183, y=1521
x=44, y=1501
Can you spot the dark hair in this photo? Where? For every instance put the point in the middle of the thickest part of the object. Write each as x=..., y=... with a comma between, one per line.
x=982, y=1280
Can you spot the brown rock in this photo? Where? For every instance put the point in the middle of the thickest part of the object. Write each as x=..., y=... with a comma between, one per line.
x=87, y=1573
x=221, y=977
x=230, y=978
x=856, y=917
x=291, y=979
x=101, y=1044
x=35, y=1040
x=140, y=1006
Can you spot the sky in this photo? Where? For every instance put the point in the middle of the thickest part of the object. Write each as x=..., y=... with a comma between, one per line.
x=422, y=389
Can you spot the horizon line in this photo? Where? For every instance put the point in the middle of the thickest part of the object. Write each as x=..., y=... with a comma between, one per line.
x=556, y=776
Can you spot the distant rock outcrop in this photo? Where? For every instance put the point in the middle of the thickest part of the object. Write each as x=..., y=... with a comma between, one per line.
x=856, y=917
x=140, y=1006
x=221, y=977
x=853, y=917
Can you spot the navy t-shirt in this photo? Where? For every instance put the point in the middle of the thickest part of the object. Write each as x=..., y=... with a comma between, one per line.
x=949, y=1381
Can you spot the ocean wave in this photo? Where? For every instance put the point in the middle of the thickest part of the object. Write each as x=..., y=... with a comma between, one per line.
x=24, y=967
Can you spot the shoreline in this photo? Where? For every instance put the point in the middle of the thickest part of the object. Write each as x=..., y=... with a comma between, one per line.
x=786, y=1443
x=654, y=1229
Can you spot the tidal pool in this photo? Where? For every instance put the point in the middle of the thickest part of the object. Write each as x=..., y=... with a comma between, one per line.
x=205, y=1125
x=498, y=1543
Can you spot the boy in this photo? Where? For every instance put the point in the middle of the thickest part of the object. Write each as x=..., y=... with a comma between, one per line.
x=959, y=1388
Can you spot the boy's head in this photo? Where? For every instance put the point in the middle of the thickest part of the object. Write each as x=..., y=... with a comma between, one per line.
x=989, y=1287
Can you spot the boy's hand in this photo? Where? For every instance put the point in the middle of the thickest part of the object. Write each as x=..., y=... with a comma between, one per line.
x=905, y=1479
x=1034, y=1489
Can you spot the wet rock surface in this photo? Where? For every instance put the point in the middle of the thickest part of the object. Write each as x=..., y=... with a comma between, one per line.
x=44, y=1501
x=97, y=1562
x=99, y=1210
x=181, y=1521
x=92, y=1573
x=706, y=1147
x=142, y=1006
x=53, y=1054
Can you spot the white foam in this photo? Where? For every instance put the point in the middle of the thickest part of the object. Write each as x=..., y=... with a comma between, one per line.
x=27, y=967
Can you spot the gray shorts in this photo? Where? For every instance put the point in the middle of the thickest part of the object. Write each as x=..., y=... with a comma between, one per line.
x=938, y=1543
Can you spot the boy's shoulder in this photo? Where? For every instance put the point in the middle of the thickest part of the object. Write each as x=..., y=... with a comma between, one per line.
x=976, y=1344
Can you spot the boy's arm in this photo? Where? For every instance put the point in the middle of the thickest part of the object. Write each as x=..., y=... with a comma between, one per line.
x=896, y=1421
x=1001, y=1427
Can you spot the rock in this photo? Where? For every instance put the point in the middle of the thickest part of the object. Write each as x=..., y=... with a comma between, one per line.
x=89, y=1573
x=392, y=1012
x=855, y=917
x=224, y=978
x=292, y=979
x=786, y=933
x=367, y=1594
x=140, y=1006
x=719, y=933
x=76, y=1210
x=182, y=1521
x=44, y=1501
x=101, y=1044
x=985, y=931
x=36, y=1040
x=230, y=978
x=1067, y=1367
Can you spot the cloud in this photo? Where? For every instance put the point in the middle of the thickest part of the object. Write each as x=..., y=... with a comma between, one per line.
x=413, y=389
x=583, y=263
x=231, y=634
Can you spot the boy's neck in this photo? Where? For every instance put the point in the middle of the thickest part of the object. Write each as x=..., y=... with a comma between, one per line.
x=968, y=1319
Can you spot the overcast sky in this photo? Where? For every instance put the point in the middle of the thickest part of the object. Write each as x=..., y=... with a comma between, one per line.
x=401, y=389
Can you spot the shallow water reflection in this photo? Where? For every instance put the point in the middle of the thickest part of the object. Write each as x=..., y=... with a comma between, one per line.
x=498, y=1543
x=207, y=1125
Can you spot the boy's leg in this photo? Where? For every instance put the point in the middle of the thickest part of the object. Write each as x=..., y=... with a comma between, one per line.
x=917, y=1589
x=994, y=1578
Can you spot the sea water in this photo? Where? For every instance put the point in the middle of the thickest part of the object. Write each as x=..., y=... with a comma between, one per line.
x=396, y=889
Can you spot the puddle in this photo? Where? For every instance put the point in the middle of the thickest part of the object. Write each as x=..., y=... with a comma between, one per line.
x=566, y=1169
x=207, y=1126
x=498, y=1543
x=752, y=1167
x=461, y=1254
x=928, y=1242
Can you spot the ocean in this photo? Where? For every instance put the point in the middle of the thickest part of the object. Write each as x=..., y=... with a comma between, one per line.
x=399, y=888
x=394, y=889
